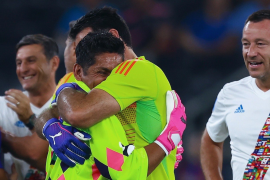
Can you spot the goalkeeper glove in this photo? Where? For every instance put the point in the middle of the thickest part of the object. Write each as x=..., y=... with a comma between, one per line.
x=65, y=141
x=171, y=136
x=179, y=153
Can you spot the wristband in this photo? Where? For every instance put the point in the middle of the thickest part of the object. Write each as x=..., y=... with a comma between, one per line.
x=30, y=124
x=162, y=147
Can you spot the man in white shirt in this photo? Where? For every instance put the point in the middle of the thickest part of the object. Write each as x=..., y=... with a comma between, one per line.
x=242, y=111
x=36, y=64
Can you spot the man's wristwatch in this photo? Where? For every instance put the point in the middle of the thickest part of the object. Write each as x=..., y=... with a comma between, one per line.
x=30, y=124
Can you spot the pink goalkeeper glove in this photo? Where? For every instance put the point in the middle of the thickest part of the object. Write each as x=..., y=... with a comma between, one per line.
x=171, y=136
x=179, y=153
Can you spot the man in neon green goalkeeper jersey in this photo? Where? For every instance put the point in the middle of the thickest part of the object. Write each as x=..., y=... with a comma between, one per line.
x=128, y=67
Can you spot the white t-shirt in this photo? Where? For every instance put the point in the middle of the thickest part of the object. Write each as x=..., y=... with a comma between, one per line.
x=240, y=111
x=10, y=122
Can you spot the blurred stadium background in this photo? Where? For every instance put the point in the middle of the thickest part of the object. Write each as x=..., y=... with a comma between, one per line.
x=196, y=43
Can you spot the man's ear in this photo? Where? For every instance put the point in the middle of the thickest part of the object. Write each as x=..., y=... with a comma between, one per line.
x=55, y=63
x=78, y=72
x=114, y=32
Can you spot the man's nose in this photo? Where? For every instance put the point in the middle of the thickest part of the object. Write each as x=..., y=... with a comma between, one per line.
x=252, y=51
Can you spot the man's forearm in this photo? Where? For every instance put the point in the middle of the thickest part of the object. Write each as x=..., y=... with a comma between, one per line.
x=83, y=110
x=41, y=120
x=211, y=157
x=31, y=149
x=155, y=156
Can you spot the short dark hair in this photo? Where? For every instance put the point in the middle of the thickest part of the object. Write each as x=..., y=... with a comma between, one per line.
x=94, y=44
x=259, y=16
x=50, y=47
x=71, y=25
x=104, y=19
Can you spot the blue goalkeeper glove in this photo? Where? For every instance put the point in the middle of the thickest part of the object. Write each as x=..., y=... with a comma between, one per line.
x=65, y=141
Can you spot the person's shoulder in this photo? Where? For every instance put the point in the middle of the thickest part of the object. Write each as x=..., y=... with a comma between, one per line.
x=2, y=98
x=235, y=84
x=3, y=106
x=143, y=62
x=146, y=67
x=139, y=64
x=139, y=60
x=69, y=77
x=2, y=101
x=238, y=87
